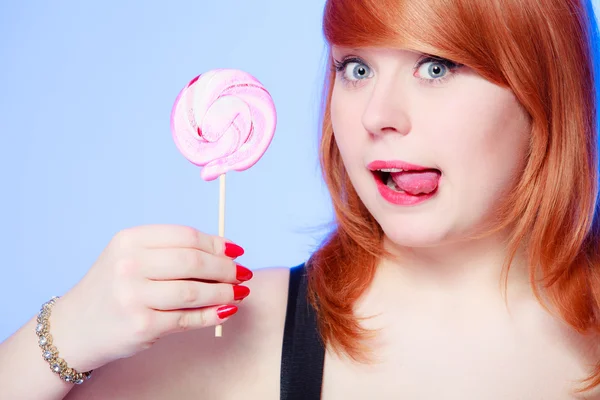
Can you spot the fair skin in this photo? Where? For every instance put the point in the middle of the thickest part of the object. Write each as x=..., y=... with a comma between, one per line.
x=473, y=131
x=446, y=330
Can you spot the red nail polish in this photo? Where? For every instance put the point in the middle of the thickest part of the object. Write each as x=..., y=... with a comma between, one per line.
x=240, y=292
x=233, y=250
x=226, y=311
x=243, y=274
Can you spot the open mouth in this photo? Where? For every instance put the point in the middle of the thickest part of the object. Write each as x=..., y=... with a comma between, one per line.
x=420, y=182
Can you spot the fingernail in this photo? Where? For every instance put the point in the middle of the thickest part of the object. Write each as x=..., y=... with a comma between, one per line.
x=226, y=311
x=243, y=274
x=240, y=292
x=233, y=250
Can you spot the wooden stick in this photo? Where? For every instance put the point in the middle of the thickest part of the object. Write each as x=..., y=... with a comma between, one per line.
x=219, y=328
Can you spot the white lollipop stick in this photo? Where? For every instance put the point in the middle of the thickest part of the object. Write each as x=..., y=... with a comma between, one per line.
x=219, y=328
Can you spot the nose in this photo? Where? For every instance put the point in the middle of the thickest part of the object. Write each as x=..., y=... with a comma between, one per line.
x=386, y=110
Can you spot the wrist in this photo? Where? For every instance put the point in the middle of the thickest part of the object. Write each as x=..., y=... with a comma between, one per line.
x=50, y=352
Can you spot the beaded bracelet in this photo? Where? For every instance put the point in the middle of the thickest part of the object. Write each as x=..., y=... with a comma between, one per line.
x=50, y=353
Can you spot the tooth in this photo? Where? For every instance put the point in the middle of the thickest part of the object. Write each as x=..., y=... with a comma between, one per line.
x=392, y=185
x=391, y=170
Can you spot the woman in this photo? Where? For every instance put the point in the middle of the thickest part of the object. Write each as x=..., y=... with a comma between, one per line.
x=459, y=146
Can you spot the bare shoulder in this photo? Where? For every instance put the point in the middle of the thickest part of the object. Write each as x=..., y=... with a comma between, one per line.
x=196, y=364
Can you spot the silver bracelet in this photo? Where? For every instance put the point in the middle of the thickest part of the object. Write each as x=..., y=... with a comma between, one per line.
x=49, y=351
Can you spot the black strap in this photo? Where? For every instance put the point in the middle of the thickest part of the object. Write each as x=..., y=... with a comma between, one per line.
x=303, y=351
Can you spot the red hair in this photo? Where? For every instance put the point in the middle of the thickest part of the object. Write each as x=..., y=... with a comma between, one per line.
x=552, y=212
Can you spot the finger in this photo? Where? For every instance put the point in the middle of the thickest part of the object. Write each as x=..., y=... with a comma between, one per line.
x=183, y=320
x=169, y=264
x=184, y=294
x=178, y=236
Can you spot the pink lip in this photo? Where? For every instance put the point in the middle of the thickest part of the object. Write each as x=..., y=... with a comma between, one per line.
x=379, y=164
x=398, y=198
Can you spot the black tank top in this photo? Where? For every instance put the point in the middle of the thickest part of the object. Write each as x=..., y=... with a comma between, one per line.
x=303, y=351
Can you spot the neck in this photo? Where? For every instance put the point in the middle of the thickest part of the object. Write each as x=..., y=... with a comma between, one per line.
x=465, y=267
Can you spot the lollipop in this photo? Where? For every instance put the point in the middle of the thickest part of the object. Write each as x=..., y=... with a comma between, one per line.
x=223, y=120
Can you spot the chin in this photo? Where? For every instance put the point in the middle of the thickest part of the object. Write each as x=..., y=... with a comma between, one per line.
x=428, y=231
x=421, y=237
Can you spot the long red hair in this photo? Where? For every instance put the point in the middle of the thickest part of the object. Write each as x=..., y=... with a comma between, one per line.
x=543, y=50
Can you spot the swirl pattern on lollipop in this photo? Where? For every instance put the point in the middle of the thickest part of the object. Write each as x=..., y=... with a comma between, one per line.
x=223, y=120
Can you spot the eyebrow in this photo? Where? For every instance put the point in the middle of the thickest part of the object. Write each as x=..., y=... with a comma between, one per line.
x=359, y=49
x=344, y=48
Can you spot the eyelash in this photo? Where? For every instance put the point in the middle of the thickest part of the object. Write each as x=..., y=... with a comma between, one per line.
x=340, y=66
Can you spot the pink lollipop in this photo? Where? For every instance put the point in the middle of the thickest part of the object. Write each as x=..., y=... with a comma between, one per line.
x=223, y=120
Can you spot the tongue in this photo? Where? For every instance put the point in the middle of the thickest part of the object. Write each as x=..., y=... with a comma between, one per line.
x=416, y=182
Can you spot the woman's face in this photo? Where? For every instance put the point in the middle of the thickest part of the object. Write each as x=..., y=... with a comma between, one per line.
x=430, y=146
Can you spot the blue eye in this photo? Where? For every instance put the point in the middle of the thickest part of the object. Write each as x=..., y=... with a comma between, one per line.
x=352, y=69
x=429, y=69
x=435, y=70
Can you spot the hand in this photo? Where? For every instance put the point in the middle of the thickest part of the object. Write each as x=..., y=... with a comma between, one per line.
x=149, y=282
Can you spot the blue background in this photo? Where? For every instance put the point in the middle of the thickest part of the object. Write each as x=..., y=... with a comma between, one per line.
x=86, y=90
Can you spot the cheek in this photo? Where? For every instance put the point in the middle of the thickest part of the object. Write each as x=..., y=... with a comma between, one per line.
x=485, y=145
x=347, y=126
